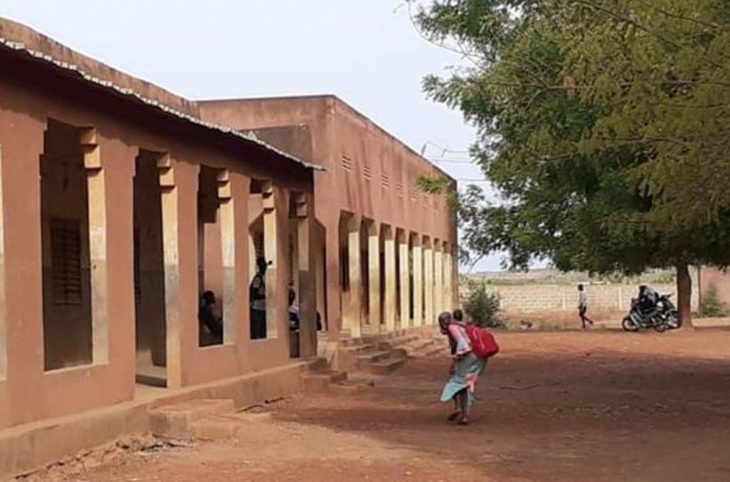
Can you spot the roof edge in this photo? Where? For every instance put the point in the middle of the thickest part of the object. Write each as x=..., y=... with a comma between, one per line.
x=132, y=95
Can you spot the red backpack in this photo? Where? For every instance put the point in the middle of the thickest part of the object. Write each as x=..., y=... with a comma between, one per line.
x=483, y=344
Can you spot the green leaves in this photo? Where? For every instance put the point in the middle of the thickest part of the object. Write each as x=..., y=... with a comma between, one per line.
x=603, y=124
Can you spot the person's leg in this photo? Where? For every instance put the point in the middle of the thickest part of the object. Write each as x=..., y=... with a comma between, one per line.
x=456, y=413
x=464, y=407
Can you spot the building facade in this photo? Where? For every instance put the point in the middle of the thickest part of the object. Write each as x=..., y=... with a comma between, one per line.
x=120, y=208
x=386, y=250
x=123, y=205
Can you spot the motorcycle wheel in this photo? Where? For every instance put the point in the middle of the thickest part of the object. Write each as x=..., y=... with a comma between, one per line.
x=673, y=321
x=628, y=325
x=661, y=327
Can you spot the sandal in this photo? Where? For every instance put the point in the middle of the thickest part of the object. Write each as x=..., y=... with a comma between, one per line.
x=464, y=420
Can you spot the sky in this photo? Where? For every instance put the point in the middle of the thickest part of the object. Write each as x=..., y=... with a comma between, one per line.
x=365, y=51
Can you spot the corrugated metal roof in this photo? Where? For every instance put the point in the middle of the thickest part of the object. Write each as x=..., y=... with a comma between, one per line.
x=134, y=96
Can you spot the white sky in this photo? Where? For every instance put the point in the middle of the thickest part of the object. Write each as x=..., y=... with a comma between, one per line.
x=365, y=51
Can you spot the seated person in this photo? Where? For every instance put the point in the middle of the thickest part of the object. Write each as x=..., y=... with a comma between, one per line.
x=208, y=318
x=294, y=313
x=648, y=299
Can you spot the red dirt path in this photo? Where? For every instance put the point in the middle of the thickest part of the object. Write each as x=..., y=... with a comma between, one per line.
x=566, y=406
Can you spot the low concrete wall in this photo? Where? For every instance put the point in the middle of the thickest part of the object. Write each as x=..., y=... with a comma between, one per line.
x=555, y=298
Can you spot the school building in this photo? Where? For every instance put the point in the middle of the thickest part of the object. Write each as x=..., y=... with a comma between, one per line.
x=122, y=203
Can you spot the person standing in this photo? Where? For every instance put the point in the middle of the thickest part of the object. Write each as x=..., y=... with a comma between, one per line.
x=257, y=300
x=583, y=307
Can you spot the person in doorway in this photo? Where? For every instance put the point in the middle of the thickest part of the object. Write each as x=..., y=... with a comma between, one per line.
x=293, y=311
x=583, y=307
x=466, y=369
x=257, y=300
x=208, y=318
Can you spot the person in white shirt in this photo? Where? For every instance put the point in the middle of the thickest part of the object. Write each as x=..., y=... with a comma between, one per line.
x=583, y=307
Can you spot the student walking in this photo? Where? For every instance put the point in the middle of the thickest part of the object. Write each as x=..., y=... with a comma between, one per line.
x=465, y=372
x=583, y=307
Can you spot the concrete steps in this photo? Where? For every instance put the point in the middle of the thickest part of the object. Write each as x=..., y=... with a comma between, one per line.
x=176, y=421
x=321, y=381
x=387, y=366
x=319, y=377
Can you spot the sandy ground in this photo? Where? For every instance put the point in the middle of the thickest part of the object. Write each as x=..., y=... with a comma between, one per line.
x=567, y=406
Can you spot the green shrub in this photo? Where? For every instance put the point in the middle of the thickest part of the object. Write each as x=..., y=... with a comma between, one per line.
x=482, y=307
x=711, y=305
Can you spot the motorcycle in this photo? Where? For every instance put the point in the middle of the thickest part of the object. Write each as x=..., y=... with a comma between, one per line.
x=669, y=312
x=664, y=317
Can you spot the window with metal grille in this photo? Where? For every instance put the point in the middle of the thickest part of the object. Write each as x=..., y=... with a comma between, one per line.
x=66, y=261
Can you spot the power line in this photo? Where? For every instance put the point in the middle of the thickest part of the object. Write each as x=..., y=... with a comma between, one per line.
x=454, y=161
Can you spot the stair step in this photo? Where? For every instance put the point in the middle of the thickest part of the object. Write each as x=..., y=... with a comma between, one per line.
x=318, y=382
x=430, y=351
x=175, y=421
x=318, y=364
x=357, y=349
x=215, y=428
x=384, y=367
x=372, y=357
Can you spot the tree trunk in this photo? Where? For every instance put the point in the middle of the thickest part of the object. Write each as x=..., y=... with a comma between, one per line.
x=684, y=295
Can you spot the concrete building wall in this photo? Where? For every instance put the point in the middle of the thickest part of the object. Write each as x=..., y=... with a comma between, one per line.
x=370, y=177
x=166, y=205
x=113, y=130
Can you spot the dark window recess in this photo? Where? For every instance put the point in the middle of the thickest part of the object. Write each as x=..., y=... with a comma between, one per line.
x=344, y=269
x=258, y=243
x=137, y=277
x=66, y=261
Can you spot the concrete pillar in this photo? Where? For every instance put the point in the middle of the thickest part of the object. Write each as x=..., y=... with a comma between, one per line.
x=438, y=281
x=374, y=276
x=276, y=248
x=391, y=303
x=97, y=212
x=449, y=280
x=336, y=305
x=3, y=318
x=454, y=271
x=171, y=236
x=428, y=279
x=319, y=274
x=405, y=280
x=353, y=314
x=306, y=263
x=228, y=205
x=418, y=289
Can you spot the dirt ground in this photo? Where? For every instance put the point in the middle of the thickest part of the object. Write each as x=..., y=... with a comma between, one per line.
x=557, y=406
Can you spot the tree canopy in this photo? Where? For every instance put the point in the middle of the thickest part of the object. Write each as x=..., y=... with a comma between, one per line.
x=602, y=124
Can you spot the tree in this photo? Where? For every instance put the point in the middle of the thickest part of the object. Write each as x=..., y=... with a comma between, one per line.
x=602, y=124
